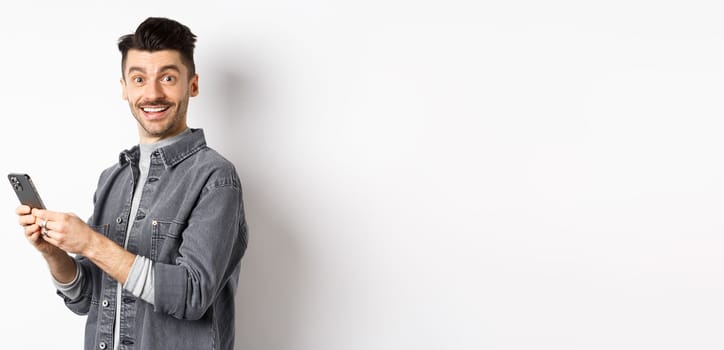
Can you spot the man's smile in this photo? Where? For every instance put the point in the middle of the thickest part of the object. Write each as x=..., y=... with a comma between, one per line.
x=154, y=109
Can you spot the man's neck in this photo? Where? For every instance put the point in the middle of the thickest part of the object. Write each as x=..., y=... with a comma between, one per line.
x=146, y=139
x=166, y=140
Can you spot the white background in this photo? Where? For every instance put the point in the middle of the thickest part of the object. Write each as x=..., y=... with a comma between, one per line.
x=417, y=174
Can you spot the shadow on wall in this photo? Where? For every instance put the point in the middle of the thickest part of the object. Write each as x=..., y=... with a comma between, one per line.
x=272, y=269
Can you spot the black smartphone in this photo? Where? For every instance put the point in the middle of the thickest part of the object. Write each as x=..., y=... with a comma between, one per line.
x=25, y=189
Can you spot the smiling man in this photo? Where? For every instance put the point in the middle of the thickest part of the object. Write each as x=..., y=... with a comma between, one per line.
x=157, y=86
x=157, y=264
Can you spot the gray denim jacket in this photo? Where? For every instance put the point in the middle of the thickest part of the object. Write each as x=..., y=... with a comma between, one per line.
x=191, y=223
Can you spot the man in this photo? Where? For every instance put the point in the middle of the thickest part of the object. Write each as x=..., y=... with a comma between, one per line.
x=156, y=266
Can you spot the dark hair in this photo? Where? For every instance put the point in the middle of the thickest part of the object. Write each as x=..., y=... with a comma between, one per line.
x=158, y=33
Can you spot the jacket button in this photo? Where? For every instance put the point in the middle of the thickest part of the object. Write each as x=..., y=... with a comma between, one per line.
x=105, y=303
x=102, y=345
x=119, y=220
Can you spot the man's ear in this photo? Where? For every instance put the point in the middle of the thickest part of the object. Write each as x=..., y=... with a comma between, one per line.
x=194, y=85
x=124, y=93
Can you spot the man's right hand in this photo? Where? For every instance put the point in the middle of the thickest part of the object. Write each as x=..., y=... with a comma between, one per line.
x=31, y=225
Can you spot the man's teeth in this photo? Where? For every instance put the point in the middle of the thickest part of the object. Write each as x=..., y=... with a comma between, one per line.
x=154, y=109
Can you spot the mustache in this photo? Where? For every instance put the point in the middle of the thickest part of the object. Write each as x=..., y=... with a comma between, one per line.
x=155, y=103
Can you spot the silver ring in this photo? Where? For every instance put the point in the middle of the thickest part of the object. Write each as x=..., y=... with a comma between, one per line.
x=43, y=228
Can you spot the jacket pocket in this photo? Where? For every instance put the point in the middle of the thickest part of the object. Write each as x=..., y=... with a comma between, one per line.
x=165, y=240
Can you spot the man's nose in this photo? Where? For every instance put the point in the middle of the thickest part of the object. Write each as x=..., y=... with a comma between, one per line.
x=154, y=91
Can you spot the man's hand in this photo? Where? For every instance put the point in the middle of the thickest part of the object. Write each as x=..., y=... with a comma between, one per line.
x=33, y=233
x=61, y=265
x=69, y=233
x=64, y=230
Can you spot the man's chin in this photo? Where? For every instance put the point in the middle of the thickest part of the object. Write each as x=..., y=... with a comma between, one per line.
x=156, y=130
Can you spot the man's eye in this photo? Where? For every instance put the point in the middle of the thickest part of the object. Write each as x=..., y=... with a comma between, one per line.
x=167, y=79
x=138, y=80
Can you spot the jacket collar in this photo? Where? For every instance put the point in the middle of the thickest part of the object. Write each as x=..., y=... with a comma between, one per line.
x=171, y=154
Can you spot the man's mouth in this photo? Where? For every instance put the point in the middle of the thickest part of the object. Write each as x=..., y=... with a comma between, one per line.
x=154, y=109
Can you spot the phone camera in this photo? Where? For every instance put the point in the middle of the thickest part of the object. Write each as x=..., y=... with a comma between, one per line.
x=14, y=179
x=17, y=187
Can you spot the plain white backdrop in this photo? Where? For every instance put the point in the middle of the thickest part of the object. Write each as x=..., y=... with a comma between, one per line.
x=417, y=174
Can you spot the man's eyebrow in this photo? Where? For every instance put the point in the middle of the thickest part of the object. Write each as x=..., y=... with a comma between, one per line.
x=136, y=69
x=170, y=67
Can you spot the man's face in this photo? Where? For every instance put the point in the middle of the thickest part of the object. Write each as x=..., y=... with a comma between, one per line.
x=157, y=88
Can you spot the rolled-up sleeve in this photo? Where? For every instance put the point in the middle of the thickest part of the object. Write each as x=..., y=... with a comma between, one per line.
x=78, y=297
